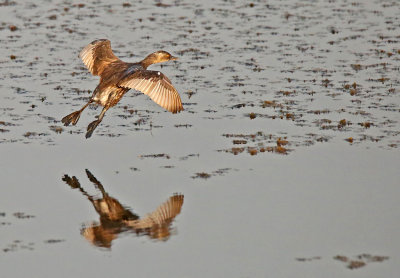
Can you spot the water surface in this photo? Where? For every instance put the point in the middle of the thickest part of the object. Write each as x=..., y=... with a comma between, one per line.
x=286, y=154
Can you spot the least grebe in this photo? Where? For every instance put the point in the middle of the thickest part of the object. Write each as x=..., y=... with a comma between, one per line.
x=118, y=77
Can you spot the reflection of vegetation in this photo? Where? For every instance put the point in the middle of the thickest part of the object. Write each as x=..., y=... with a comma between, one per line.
x=115, y=218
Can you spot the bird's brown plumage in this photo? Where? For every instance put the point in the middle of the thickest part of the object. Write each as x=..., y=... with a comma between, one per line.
x=163, y=215
x=157, y=86
x=97, y=56
x=115, y=218
x=118, y=77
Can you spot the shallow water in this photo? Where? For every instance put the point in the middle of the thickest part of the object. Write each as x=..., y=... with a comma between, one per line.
x=286, y=154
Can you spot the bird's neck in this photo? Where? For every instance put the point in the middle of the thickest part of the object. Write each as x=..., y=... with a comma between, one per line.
x=147, y=62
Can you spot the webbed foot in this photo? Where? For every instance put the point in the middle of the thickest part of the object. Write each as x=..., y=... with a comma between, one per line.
x=72, y=118
x=91, y=127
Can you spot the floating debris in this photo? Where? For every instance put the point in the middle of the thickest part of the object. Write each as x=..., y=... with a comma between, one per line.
x=202, y=175
x=350, y=139
x=30, y=134
x=219, y=172
x=22, y=215
x=56, y=129
x=239, y=142
x=53, y=241
x=262, y=143
x=268, y=103
x=366, y=124
x=360, y=260
x=252, y=116
x=17, y=245
x=183, y=125
x=160, y=155
x=12, y=28
x=308, y=259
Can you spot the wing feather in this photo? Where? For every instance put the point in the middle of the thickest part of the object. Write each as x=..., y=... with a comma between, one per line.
x=177, y=102
x=158, y=96
x=97, y=56
x=169, y=103
x=157, y=86
x=163, y=215
x=161, y=97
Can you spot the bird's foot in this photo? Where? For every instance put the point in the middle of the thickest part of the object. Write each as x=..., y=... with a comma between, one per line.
x=72, y=118
x=91, y=127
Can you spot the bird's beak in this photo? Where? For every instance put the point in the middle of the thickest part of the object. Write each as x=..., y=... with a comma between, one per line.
x=173, y=58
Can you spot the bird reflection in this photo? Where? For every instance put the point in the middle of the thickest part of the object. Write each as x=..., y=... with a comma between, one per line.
x=116, y=218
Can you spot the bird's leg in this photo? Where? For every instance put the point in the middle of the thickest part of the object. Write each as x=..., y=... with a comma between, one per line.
x=92, y=126
x=98, y=184
x=74, y=184
x=73, y=118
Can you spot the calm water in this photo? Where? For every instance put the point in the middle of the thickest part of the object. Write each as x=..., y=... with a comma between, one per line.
x=284, y=163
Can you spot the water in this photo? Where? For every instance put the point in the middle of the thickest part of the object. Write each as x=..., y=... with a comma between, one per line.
x=286, y=154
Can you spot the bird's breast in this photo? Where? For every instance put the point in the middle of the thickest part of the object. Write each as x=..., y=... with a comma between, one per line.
x=109, y=96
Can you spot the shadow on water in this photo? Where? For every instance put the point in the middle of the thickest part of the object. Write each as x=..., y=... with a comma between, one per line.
x=116, y=218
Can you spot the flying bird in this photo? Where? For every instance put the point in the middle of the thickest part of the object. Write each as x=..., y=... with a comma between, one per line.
x=118, y=77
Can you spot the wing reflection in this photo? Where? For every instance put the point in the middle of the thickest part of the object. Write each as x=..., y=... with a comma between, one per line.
x=116, y=218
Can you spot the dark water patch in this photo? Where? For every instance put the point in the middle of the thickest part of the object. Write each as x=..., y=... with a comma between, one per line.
x=33, y=134
x=352, y=262
x=19, y=245
x=168, y=166
x=304, y=259
x=201, y=175
x=2, y=223
x=218, y=172
x=22, y=215
x=183, y=125
x=53, y=241
x=192, y=155
x=3, y=123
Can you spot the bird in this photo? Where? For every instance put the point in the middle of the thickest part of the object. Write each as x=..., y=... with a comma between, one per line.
x=118, y=77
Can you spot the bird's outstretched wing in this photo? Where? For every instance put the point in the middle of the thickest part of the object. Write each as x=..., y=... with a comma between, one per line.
x=157, y=86
x=162, y=216
x=97, y=55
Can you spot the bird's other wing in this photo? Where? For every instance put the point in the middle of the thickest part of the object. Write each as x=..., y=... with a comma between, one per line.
x=157, y=86
x=97, y=55
x=162, y=216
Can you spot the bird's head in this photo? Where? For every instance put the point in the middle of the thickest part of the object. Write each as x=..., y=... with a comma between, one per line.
x=159, y=57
